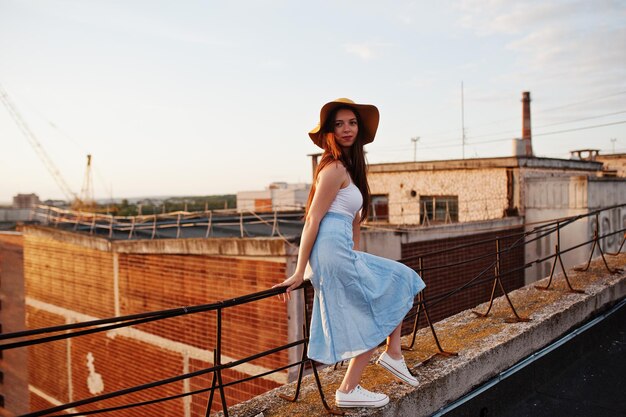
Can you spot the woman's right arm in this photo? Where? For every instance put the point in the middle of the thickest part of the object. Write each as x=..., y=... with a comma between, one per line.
x=329, y=181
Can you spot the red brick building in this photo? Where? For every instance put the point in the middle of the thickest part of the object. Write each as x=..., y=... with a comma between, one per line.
x=71, y=277
x=13, y=372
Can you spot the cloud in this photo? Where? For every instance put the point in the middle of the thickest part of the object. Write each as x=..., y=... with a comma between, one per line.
x=579, y=43
x=363, y=51
x=366, y=51
x=122, y=18
x=273, y=64
x=507, y=17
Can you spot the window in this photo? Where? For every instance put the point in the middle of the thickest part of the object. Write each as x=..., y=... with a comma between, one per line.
x=379, y=208
x=439, y=209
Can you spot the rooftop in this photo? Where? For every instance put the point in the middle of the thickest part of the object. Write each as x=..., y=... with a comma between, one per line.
x=188, y=225
x=498, y=162
x=486, y=348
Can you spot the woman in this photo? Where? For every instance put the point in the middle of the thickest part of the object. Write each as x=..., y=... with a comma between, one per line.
x=360, y=299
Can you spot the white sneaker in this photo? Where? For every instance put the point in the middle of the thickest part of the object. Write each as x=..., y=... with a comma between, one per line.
x=397, y=368
x=360, y=397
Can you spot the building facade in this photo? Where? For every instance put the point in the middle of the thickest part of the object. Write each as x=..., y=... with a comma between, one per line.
x=13, y=363
x=614, y=164
x=279, y=196
x=25, y=201
x=72, y=277
x=423, y=193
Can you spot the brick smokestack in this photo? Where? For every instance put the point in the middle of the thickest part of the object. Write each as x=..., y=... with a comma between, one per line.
x=526, y=131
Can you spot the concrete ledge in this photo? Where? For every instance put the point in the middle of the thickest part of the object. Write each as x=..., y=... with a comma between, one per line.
x=485, y=346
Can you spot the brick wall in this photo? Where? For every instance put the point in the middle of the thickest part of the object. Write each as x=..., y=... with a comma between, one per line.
x=69, y=276
x=67, y=282
x=443, y=280
x=13, y=373
x=48, y=366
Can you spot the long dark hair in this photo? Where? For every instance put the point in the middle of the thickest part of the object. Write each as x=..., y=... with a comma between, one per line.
x=354, y=161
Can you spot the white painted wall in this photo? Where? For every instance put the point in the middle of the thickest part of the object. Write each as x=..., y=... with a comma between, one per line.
x=482, y=192
x=551, y=198
x=14, y=215
x=388, y=242
x=284, y=197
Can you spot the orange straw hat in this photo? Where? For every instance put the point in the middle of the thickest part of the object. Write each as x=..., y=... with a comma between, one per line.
x=368, y=114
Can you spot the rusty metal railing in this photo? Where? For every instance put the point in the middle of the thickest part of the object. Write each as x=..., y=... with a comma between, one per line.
x=244, y=223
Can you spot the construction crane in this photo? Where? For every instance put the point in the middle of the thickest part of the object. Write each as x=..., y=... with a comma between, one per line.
x=85, y=200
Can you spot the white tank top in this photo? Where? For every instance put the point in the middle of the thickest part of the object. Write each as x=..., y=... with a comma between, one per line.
x=348, y=200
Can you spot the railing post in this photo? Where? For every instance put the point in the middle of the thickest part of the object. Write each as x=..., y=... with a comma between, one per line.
x=208, y=229
x=620, y=247
x=498, y=281
x=132, y=227
x=422, y=300
x=93, y=224
x=557, y=258
x=212, y=391
x=274, y=225
x=77, y=220
x=596, y=234
x=418, y=313
x=217, y=361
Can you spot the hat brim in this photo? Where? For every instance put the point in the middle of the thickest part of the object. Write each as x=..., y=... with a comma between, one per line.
x=368, y=113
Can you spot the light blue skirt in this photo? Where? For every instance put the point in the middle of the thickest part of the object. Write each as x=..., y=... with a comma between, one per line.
x=359, y=298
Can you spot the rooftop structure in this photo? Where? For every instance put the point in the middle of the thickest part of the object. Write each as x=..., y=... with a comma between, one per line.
x=462, y=190
x=25, y=201
x=278, y=196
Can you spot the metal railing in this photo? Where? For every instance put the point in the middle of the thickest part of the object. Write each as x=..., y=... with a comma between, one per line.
x=49, y=334
x=172, y=225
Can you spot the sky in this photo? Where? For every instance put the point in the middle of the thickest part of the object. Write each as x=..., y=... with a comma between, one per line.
x=177, y=98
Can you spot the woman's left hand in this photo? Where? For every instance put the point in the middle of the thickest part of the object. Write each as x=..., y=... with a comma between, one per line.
x=291, y=283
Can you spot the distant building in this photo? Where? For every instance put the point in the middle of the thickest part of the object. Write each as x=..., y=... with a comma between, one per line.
x=25, y=201
x=462, y=190
x=279, y=196
x=614, y=164
x=56, y=203
x=19, y=212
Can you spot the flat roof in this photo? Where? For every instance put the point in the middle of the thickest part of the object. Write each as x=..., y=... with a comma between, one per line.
x=481, y=163
x=287, y=225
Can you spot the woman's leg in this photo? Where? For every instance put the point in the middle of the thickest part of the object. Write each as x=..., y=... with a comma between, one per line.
x=357, y=364
x=355, y=369
x=393, y=360
x=394, y=346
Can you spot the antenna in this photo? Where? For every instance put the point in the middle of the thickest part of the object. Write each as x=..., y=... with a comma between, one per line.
x=613, y=140
x=415, y=139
